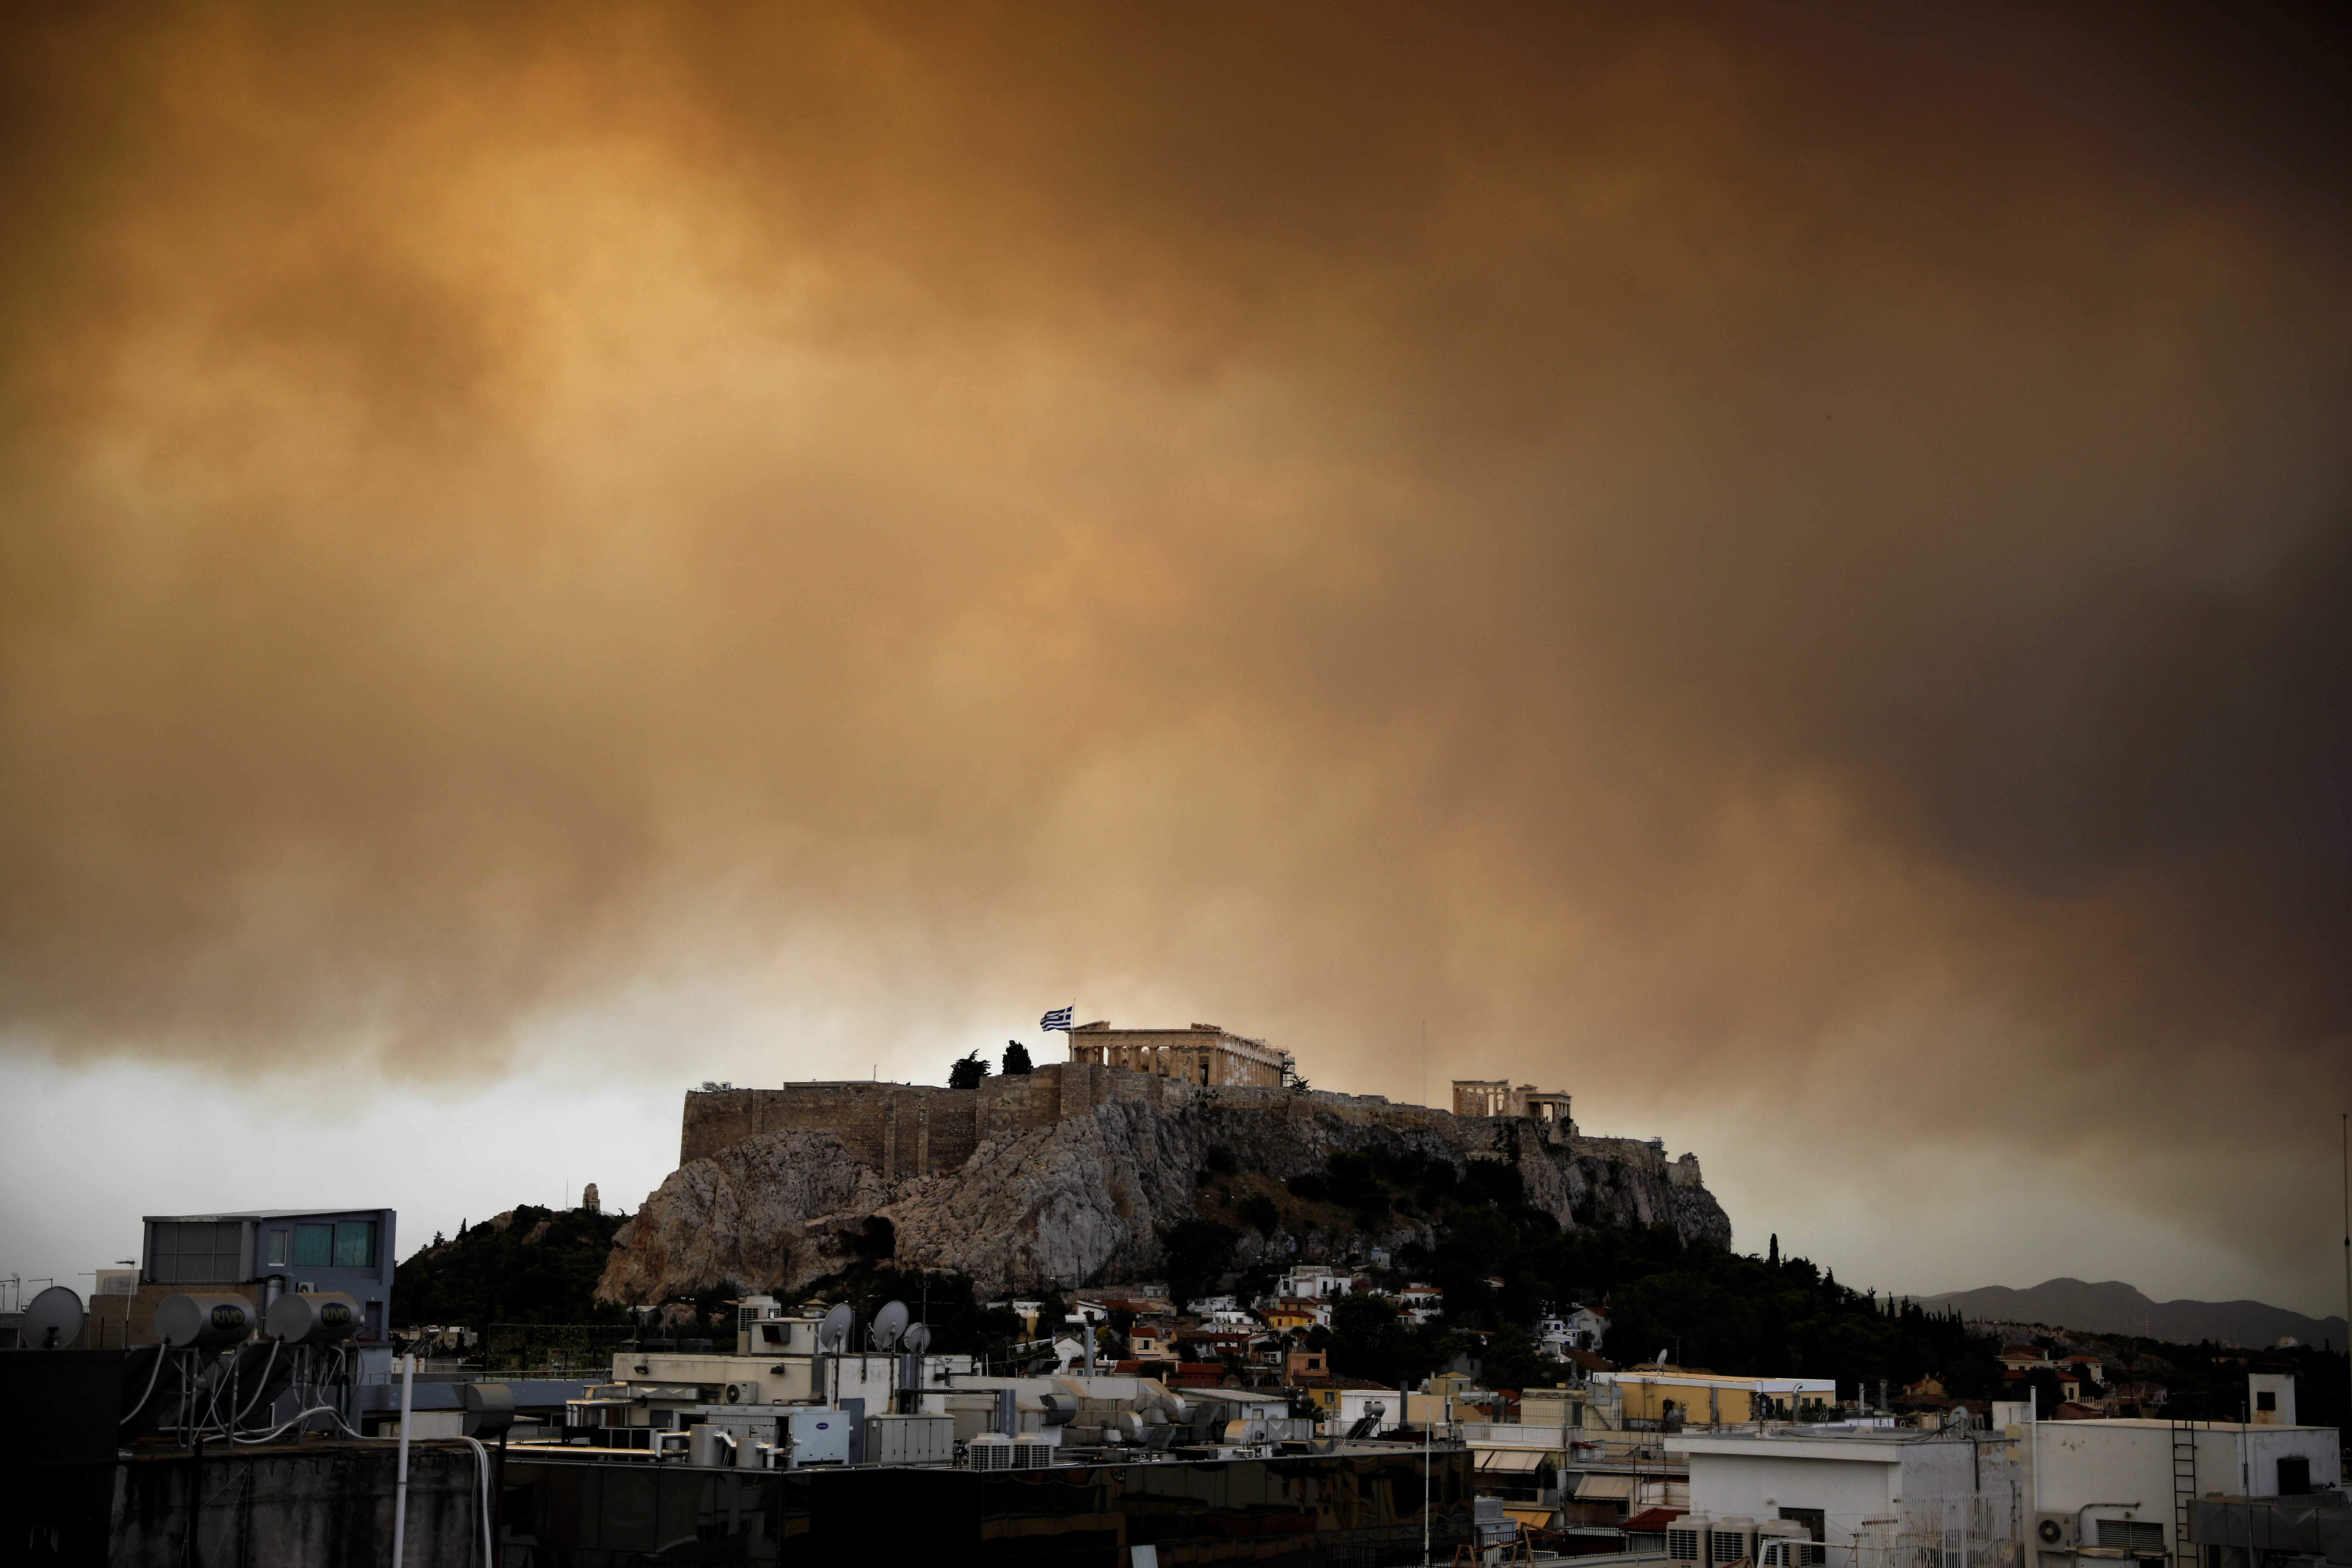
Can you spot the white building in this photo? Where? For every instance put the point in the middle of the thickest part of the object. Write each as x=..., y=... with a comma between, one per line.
x=1579, y=1328
x=1862, y=1494
x=1354, y=1403
x=2056, y=1494
x=2112, y=1483
x=1314, y=1281
x=2269, y=1398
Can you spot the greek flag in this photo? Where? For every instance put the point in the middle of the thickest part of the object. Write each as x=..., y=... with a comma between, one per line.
x=1059, y=1019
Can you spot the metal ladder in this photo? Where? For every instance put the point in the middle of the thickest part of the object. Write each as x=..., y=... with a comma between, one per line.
x=2184, y=1487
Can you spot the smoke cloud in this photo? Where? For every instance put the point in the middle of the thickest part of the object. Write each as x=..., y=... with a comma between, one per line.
x=1795, y=566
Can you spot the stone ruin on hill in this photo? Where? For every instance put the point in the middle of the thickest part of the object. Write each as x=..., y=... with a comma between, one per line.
x=1064, y=1175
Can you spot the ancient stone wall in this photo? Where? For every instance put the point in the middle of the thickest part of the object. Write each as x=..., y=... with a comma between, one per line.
x=919, y=1129
x=900, y=1128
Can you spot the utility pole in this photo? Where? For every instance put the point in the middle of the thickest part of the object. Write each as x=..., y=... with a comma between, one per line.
x=1425, y=1425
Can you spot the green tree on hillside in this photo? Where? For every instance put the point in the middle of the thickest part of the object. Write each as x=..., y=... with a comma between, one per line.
x=1199, y=1251
x=540, y=1267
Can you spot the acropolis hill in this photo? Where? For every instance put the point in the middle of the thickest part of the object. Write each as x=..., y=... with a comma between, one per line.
x=1067, y=1174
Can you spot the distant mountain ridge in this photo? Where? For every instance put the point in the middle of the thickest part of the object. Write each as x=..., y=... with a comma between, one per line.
x=2113, y=1307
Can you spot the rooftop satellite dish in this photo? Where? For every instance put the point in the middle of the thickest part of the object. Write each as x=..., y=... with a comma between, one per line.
x=915, y=1340
x=834, y=1333
x=888, y=1324
x=53, y=1321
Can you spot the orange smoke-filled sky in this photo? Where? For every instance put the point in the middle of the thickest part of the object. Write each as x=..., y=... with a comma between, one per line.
x=1786, y=574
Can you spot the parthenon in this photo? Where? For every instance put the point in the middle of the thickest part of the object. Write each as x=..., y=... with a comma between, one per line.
x=1201, y=1054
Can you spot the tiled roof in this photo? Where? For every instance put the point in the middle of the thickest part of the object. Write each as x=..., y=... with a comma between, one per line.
x=1341, y=1380
x=1652, y=1519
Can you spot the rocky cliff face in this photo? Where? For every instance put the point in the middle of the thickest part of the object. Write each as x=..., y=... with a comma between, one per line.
x=1083, y=1200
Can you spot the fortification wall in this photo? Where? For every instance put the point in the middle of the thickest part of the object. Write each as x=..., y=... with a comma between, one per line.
x=919, y=1129
x=900, y=1128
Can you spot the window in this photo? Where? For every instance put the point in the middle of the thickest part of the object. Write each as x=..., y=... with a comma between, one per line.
x=196, y=1252
x=314, y=1245
x=278, y=1239
x=2266, y=1399
x=2295, y=1478
x=355, y=1244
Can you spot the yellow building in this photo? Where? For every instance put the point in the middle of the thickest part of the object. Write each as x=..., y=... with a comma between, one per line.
x=1448, y=1397
x=1656, y=1396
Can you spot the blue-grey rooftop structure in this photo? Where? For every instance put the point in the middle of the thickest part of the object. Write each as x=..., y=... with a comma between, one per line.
x=280, y=1250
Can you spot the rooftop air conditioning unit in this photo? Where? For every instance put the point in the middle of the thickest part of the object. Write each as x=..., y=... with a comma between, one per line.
x=1785, y=1544
x=988, y=1451
x=2054, y=1531
x=742, y=1392
x=1730, y=1539
x=2143, y=1538
x=1684, y=1537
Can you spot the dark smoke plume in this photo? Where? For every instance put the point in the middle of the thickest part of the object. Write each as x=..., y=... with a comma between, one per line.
x=1799, y=557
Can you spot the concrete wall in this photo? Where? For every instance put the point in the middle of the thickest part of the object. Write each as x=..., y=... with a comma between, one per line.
x=1848, y=1487
x=322, y=1505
